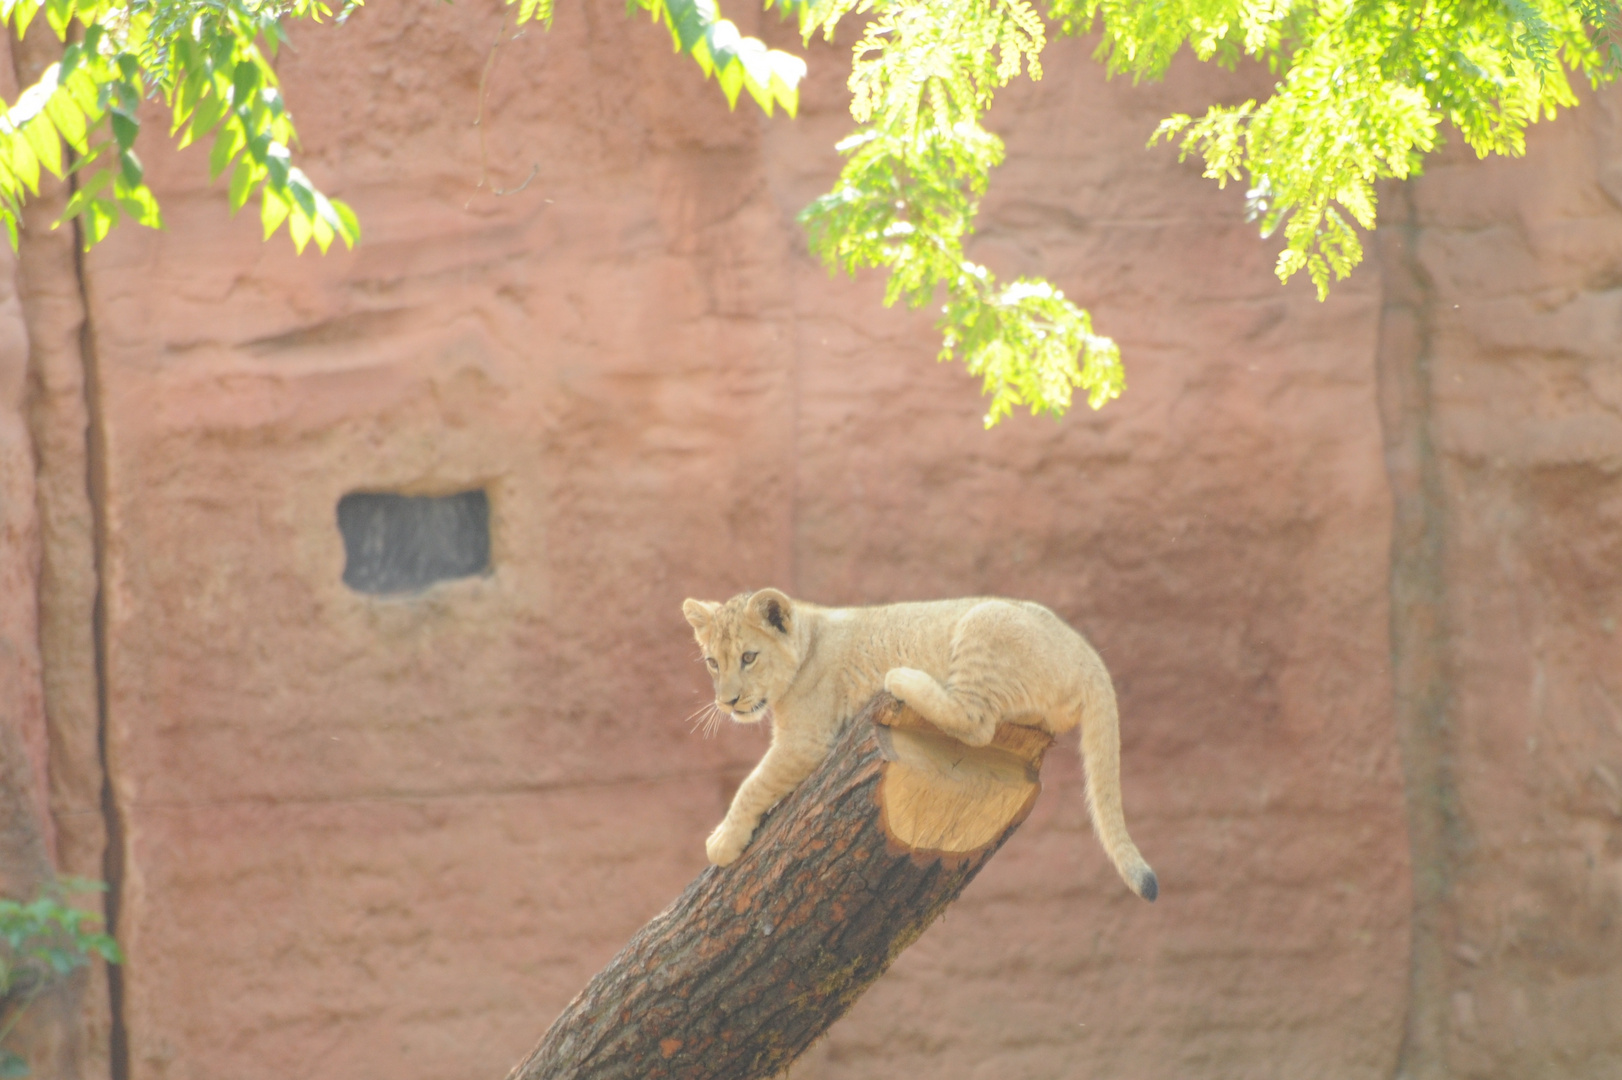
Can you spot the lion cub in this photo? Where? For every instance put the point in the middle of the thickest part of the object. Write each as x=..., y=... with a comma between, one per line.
x=964, y=665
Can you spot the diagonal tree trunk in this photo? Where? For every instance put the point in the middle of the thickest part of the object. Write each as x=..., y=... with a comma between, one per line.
x=752, y=962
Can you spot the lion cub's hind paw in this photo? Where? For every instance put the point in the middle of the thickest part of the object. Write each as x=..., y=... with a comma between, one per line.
x=909, y=685
x=932, y=701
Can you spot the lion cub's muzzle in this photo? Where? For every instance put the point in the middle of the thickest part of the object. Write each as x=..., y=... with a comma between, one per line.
x=748, y=715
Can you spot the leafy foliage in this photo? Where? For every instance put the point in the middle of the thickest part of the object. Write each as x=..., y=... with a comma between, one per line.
x=41, y=941
x=210, y=62
x=1364, y=89
x=922, y=76
x=905, y=203
x=739, y=63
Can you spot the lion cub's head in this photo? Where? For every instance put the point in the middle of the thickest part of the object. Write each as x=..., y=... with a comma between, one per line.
x=750, y=648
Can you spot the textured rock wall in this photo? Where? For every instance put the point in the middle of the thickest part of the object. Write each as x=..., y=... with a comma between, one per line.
x=397, y=835
x=364, y=836
x=26, y=831
x=48, y=682
x=1506, y=362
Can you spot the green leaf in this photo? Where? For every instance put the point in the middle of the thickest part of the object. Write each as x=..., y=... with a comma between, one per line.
x=300, y=229
x=69, y=119
x=247, y=173
x=138, y=202
x=787, y=72
x=278, y=163
x=12, y=1066
x=23, y=14
x=130, y=168
x=226, y=144
x=72, y=54
x=688, y=20
x=731, y=78
x=45, y=142
x=189, y=94
x=244, y=81
x=740, y=63
x=259, y=146
x=273, y=210
x=323, y=231
x=204, y=117
x=59, y=13
x=530, y=10
x=103, y=945
x=86, y=92
x=125, y=127
x=89, y=187
x=21, y=160
x=302, y=193
x=349, y=224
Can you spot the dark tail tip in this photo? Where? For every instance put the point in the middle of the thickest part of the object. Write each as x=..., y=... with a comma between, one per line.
x=1148, y=886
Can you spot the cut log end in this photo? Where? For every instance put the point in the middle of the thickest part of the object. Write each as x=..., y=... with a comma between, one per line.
x=937, y=795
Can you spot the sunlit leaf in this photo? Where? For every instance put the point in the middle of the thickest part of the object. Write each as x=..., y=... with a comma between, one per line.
x=22, y=161
x=89, y=187
x=137, y=201
x=226, y=144
x=273, y=210
x=44, y=141
x=69, y=120
x=323, y=232
x=349, y=227
x=299, y=228
x=246, y=174
x=130, y=168
x=99, y=217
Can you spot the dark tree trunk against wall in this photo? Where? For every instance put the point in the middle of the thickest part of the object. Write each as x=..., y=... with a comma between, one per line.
x=754, y=961
x=1419, y=632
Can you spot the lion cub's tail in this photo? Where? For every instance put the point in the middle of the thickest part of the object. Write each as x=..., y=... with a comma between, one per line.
x=1101, y=756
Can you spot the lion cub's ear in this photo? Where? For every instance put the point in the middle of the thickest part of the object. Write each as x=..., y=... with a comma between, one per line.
x=699, y=613
x=771, y=608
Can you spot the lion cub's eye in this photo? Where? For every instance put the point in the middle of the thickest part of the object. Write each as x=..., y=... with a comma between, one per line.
x=749, y=658
x=710, y=660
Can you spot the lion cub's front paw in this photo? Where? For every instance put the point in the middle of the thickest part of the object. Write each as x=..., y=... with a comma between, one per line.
x=726, y=843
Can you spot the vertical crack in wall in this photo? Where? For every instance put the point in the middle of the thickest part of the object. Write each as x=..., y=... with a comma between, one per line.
x=96, y=486
x=1419, y=625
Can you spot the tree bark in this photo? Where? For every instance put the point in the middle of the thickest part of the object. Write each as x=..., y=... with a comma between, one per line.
x=753, y=961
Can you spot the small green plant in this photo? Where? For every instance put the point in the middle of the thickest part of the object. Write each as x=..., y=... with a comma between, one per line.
x=42, y=941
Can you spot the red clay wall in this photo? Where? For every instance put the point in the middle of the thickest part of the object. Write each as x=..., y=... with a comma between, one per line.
x=391, y=837
x=1504, y=364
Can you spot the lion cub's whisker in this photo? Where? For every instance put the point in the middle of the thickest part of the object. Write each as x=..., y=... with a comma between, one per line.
x=706, y=719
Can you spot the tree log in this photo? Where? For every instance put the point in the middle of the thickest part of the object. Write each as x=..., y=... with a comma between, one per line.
x=753, y=961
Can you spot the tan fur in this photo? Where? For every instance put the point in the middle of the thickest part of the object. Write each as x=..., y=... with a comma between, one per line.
x=965, y=665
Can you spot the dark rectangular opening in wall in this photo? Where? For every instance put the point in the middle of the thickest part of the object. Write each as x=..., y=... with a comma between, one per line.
x=405, y=543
